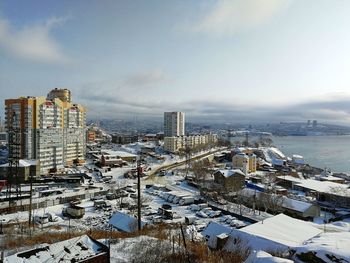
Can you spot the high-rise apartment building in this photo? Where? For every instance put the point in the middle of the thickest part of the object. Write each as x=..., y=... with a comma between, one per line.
x=51, y=130
x=174, y=124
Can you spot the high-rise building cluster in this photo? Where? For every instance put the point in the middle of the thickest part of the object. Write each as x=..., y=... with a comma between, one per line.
x=50, y=129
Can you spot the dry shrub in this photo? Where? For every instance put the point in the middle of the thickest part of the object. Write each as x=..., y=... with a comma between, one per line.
x=166, y=247
x=200, y=253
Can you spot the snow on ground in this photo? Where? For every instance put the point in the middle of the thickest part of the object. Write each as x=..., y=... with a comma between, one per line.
x=338, y=226
x=264, y=257
x=141, y=249
x=337, y=244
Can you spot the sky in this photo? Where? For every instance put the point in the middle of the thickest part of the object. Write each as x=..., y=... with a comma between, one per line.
x=216, y=60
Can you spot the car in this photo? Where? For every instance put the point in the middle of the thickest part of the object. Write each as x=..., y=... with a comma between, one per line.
x=130, y=190
x=201, y=227
x=165, y=196
x=111, y=196
x=171, y=198
x=157, y=219
x=214, y=213
x=228, y=219
x=207, y=210
x=201, y=214
x=122, y=193
x=194, y=208
x=176, y=200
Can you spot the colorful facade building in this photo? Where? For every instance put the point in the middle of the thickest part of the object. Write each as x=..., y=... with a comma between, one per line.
x=51, y=129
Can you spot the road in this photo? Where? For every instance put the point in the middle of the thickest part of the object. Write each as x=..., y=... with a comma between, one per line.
x=177, y=164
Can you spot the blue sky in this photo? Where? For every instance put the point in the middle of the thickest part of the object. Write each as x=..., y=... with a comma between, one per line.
x=237, y=60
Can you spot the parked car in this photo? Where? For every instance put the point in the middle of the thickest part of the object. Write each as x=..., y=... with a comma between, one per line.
x=111, y=196
x=214, y=213
x=194, y=207
x=201, y=214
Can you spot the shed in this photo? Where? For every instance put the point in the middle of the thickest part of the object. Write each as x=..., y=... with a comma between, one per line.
x=78, y=249
x=124, y=222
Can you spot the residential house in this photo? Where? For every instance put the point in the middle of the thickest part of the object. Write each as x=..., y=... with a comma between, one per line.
x=231, y=180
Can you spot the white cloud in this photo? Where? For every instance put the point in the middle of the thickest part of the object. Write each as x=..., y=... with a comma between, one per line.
x=232, y=16
x=33, y=42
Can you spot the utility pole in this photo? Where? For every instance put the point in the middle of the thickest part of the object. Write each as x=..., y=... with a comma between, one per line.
x=184, y=241
x=139, y=194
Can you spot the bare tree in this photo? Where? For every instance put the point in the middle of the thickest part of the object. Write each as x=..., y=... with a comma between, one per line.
x=270, y=201
x=241, y=199
x=200, y=171
x=337, y=195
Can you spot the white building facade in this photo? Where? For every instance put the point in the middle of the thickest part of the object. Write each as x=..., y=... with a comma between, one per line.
x=174, y=124
x=175, y=143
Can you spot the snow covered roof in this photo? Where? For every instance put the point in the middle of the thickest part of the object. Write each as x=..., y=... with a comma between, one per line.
x=273, y=155
x=124, y=222
x=295, y=205
x=264, y=257
x=297, y=156
x=228, y=173
x=288, y=203
x=117, y=153
x=319, y=186
x=75, y=249
x=23, y=163
x=336, y=244
x=215, y=229
x=283, y=229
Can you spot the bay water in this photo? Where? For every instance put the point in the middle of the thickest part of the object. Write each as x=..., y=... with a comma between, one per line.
x=320, y=151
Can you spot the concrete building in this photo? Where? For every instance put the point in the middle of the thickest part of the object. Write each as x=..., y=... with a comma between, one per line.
x=26, y=169
x=51, y=130
x=90, y=136
x=3, y=137
x=124, y=138
x=174, y=124
x=175, y=143
x=114, y=155
x=245, y=162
